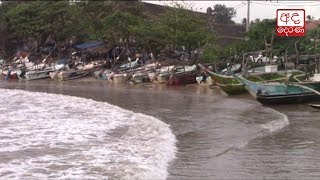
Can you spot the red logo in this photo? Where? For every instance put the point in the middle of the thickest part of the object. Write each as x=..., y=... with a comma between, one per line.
x=291, y=22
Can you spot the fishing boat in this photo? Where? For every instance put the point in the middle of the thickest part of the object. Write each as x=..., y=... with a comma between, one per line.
x=38, y=74
x=102, y=74
x=120, y=77
x=282, y=93
x=162, y=75
x=73, y=74
x=183, y=75
x=76, y=72
x=228, y=84
x=232, y=86
x=9, y=74
x=140, y=77
x=143, y=74
x=130, y=65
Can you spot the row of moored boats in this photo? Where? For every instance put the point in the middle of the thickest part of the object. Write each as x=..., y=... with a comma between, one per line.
x=268, y=86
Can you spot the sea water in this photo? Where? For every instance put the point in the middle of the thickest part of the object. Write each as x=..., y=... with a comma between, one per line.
x=57, y=136
x=218, y=136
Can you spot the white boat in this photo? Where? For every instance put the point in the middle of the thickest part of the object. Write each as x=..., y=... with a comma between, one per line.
x=66, y=73
x=163, y=75
x=38, y=74
x=140, y=77
x=102, y=74
x=120, y=78
x=130, y=65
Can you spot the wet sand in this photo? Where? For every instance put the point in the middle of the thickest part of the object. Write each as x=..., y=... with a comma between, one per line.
x=219, y=137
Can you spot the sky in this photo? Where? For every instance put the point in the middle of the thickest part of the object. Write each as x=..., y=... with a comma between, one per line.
x=258, y=9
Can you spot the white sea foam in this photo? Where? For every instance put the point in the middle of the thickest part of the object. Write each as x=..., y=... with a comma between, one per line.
x=279, y=122
x=56, y=136
x=276, y=124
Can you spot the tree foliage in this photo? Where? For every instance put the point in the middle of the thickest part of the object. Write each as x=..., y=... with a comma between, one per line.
x=223, y=14
x=183, y=28
x=118, y=22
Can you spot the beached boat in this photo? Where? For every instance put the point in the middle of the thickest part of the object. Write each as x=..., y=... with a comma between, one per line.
x=130, y=65
x=143, y=74
x=140, y=77
x=9, y=74
x=232, y=86
x=228, y=84
x=102, y=74
x=183, y=75
x=34, y=75
x=282, y=93
x=38, y=74
x=162, y=75
x=176, y=75
x=120, y=78
x=79, y=71
x=73, y=74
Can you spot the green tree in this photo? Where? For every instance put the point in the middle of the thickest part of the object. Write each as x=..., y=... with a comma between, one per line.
x=223, y=14
x=109, y=20
x=182, y=27
x=35, y=19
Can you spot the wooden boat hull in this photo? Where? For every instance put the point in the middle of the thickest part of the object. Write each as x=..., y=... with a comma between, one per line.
x=288, y=99
x=9, y=75
x=228, y=84
x=102, y=74
x=162, y=78
x=278, y=93
x=37, y=76
x=34, y=75
x=233, y=89
x=140, y=78
x=232, y=86
x=65, y=75
x=152, y=76
x=120, y=78
x=54, y=75
x=182, y=79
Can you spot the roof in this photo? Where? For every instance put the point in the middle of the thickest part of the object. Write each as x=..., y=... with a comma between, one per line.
x=89, y=45
x=312, y=24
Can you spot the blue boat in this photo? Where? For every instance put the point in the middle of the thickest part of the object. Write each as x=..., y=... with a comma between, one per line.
x=282, y=93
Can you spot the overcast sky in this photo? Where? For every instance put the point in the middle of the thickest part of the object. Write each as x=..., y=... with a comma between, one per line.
x=258, y=9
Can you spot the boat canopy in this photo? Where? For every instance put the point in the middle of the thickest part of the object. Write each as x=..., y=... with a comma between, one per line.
x=89, y=45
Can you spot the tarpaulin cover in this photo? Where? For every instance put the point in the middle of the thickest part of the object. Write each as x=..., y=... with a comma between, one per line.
x=89, y=45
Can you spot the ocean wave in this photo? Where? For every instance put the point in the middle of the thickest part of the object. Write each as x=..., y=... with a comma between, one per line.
x=56, y=136
x=274, y=121
x=276, y=124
